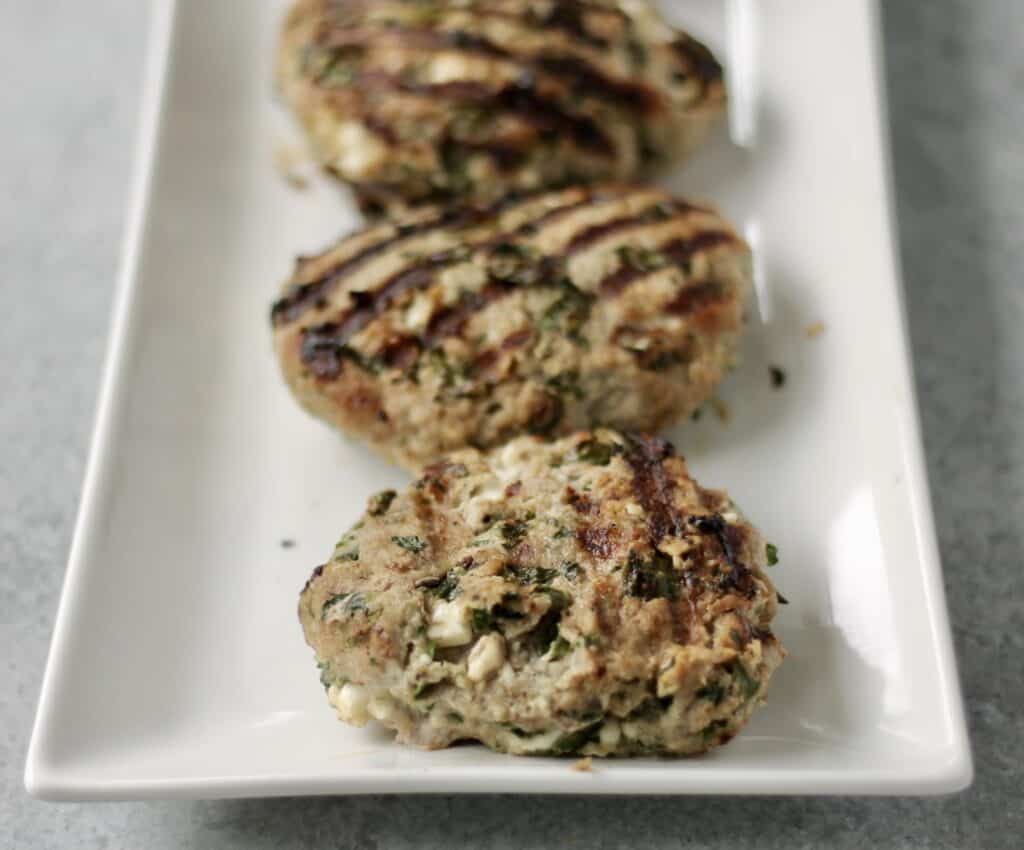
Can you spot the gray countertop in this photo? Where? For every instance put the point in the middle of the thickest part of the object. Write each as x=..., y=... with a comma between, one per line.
x=955, y=76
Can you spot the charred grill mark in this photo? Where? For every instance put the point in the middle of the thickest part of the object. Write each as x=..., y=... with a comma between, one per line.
x=451, y=320
x=730, y=540
x=677, y=253
x=582, y=76
x=661, y=211
x=653, y=488
x=519, y=98
x=325, y=347
x=587, y=80
x=694, y=298
x=302, y=296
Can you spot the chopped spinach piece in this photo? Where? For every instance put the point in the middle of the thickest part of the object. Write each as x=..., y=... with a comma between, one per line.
x=512, y=532
x=568, y=384
x=571, y=570
x=748, y=684
x=559, y=648
x=596, y=452
x=410, y=543
x=651, y=579
x=713, y=692
x=573, y=742
x=380, y=502
x=347, y=603
x=531, y=575
x=772, y=552
x=559, y=599
x=482, y=620
x=448, y=587
x=569, y=312
x=641, y=259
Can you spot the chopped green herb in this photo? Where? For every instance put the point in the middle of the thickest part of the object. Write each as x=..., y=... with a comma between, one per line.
x=346, y=603
x=573, y=742
x=748, y=684
x=351, y=555
x=571, y=570
x=410, y=543
x=562, y=533
x=512, y=532
x=482, y=620
x=772, y=552
x=736, y=636
x=380, y=502
x=568, y=384
x=592, y=641
x=651, y=579
x=569, y=312
x=430, y=647
x=448, y=587
x=782, y=599
x=778, y=377
x=712, y=692
x=325, y=673
x=596, y=452
x=560, y=647
x=641, y=259
x=514, y=263
x=559, y=599
x=455, y=717
x=531, y=575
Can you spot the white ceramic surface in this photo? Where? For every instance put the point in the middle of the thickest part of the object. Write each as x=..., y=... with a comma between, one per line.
x=178, y=667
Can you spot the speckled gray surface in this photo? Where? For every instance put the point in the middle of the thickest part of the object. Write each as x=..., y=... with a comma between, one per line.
x=955, y=75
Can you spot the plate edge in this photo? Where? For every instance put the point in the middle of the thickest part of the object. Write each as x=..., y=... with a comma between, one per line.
x=151, y=111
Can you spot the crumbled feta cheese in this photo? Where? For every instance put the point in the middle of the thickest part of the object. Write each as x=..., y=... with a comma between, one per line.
x=486, y=657
x=449, y=625
x=350, y=701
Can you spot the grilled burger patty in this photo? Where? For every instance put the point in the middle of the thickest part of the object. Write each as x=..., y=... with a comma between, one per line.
x=432, y=99
x=582, y=596
x=610, y=305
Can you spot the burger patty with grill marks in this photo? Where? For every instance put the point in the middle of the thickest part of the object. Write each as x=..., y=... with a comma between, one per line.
x=584, y=596
x=544, y=314
x=415, y=101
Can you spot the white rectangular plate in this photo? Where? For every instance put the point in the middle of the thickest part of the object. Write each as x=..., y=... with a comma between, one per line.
x=178, y=667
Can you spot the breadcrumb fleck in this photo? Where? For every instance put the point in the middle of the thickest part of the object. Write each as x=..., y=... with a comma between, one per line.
x=814, y=330
x=583, y=765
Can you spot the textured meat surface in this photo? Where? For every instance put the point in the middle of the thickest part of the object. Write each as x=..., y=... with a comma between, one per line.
x=610, y=305
x=579, y=596
x=414, y=101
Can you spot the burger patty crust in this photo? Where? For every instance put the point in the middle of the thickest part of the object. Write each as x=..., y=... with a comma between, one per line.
x=429, y=100
x=610, y=305
x=583, y=596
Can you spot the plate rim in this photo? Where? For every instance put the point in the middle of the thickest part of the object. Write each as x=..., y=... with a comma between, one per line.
x=47, y=781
